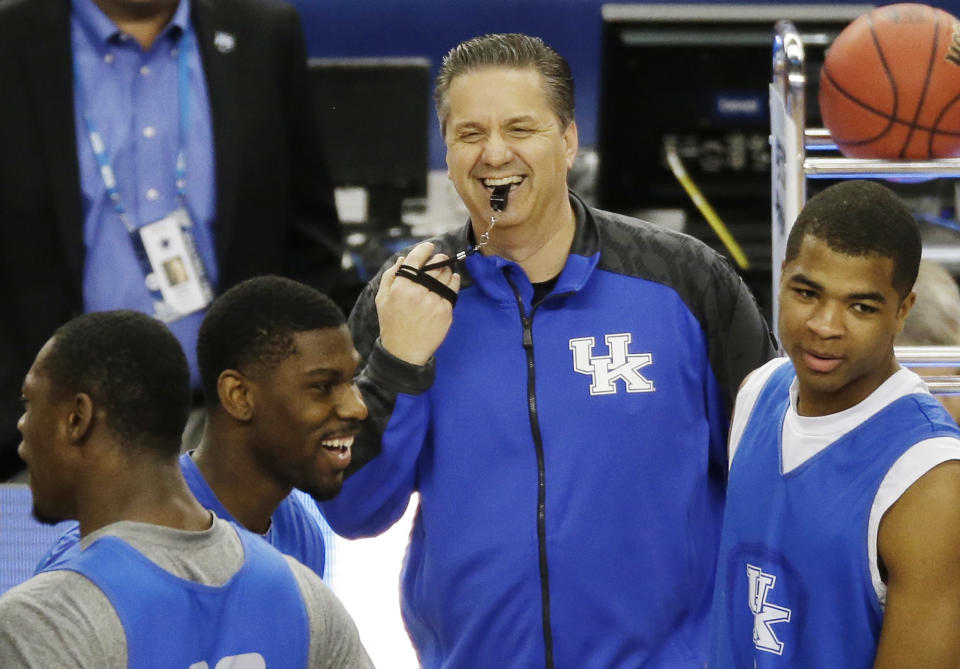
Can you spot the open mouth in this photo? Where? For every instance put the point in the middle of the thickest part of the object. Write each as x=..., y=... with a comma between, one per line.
x=513, y=181
x=339, y=446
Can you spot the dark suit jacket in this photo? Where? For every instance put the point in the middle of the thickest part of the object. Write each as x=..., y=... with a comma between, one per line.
x=275, y=211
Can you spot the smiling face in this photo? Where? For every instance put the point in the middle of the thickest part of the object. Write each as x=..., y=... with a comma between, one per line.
x=500, y=129
x=43, y=440
x=308, y=410
x=839, y=315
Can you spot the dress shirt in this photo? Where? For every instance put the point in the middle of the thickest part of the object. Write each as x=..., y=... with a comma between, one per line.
x=131, y=96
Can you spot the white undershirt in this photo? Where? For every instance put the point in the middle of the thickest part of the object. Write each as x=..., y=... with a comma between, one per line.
x=805, y=436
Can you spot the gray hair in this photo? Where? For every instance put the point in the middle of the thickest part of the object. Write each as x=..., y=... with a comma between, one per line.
x=510, y=50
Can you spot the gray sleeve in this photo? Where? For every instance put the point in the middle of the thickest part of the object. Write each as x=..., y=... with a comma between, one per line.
x=382, y=376
x=60, y=620
x=334, y=640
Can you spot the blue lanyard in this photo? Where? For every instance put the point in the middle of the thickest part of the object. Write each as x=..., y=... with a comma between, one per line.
x=107, y=173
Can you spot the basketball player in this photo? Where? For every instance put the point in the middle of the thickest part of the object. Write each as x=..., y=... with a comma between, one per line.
x=161, y=582
x=565, y=424
x=277, y=363
x=841, y=536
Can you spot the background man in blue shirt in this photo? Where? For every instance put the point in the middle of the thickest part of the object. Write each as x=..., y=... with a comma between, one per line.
x=125, y=113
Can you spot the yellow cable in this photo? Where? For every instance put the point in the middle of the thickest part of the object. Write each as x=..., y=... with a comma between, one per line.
x=676, y=166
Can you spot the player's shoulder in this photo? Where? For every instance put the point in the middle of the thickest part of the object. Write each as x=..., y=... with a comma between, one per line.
x=921, y=514
x=32, y=589
x=317, y=596
x=49, y=596
x=333, y=634
x=65, y=546
x=61, y=619
x=754, y=382
x=302, y=510
x=298, y=530
x=919, y=460
x=303, y=506
x=750, y=389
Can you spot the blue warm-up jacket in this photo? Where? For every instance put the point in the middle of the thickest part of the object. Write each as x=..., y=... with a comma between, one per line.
x=570, y=456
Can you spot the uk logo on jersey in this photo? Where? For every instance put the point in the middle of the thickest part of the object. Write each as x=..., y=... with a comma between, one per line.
x=765, y=614
x=619, y=364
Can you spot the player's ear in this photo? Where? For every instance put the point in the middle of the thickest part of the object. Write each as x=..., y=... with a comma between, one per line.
x=906, y=304
x=79, y=419
x=235, y=394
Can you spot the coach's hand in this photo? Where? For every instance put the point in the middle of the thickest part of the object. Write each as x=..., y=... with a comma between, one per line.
x=413, y=319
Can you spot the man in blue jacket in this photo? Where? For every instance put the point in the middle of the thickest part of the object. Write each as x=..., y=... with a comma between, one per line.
x=565, y=424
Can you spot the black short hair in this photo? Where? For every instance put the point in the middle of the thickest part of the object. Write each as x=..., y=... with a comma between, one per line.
x=862, y=218
x=252, y=326
x=133, y=367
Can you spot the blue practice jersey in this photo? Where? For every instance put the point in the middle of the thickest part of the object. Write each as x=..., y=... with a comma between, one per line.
x=295, y=526
x=257, y=618
x=793, y=586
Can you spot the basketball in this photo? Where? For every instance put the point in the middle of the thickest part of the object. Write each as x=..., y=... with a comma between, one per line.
x=890, y=85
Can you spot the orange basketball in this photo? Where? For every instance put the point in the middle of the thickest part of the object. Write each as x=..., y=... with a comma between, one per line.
x=890, y=85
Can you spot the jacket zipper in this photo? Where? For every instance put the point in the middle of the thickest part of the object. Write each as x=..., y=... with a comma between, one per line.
x=541, y=477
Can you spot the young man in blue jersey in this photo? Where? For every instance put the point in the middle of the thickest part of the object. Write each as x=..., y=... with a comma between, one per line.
x=841, y=536
x=277, y=362
x=161, y=581
x=565, y=424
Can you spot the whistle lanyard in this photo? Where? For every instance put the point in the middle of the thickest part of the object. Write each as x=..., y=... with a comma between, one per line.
x=107, y=173
x=498, y=202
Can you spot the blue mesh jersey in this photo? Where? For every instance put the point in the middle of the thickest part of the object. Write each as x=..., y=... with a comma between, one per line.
x=172, y=622
x=793, y=585
x=570, y=457
x=296, y=527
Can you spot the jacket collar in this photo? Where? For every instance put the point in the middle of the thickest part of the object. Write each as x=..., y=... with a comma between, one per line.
x=495, y=274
